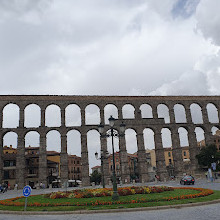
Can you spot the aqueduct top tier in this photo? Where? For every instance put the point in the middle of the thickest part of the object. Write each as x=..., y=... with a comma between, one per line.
x=138, y=123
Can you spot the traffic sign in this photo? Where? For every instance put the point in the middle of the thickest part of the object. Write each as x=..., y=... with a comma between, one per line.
x=27, y=191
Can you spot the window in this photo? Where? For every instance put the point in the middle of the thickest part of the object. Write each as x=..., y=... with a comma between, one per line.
x=169, y=154
x=170, y=161
x=184, y=153
x=77, y=161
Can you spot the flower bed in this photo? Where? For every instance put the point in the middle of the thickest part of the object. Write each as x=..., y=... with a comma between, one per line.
x=123, y=191
x=202, y=193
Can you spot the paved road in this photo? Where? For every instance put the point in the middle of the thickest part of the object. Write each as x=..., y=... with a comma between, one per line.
x=208, y=212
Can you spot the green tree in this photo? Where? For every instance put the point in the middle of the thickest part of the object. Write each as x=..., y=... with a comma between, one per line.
x=208, y=155
x=96, y=177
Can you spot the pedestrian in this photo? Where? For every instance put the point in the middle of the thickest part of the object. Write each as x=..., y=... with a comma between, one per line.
x=16, y=186
x=206, y=174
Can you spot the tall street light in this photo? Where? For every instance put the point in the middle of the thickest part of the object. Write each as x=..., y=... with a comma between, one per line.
x=112, y=133
x=103, y=155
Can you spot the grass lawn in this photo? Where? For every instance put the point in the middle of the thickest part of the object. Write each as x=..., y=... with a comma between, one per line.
x=154, y=196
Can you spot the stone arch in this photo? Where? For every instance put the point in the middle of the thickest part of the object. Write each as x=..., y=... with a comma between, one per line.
x=10, y=139
x=72, y=115
x=183, y=136
x=110, y=109
x=32, y=139
x=146, y=111
x=149, y=144
x=180, y=113
x=212, y=113
x=128, y=111
x=163, y=112
x=215, y=130
x=149, y=141
x=93, y=145
x=166, y=138
x=11, y=116
x=92, y=114
x=53, y=141
x=131, y=140
x=74, y=142
x=53, y=116
x=32, y=116
x=200, y=137
x=196, y=113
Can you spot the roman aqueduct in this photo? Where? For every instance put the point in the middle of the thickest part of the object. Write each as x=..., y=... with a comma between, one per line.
x=138, y=123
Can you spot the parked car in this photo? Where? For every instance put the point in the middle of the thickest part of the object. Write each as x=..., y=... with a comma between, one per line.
x=187, y=180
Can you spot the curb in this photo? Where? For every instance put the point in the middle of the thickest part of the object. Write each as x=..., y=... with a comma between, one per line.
x=179, y=206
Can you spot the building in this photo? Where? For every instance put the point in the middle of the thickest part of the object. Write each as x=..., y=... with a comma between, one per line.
x=32, y=166
x=74, y=167
x=97, y=168
x=132, y=165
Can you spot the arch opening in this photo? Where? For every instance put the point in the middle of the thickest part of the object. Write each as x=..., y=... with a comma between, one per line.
x=163, y=112
x=53, y=116
x=11, y=116
x=146, y=111
x=72, y=115
x=32, y=116
x=128, y=111
x=92, y=114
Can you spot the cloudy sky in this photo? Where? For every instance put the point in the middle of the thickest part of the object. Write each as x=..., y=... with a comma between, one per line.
x=118, y=47
x=102, y=47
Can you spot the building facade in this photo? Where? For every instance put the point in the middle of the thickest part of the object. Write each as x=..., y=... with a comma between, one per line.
x=32, y=166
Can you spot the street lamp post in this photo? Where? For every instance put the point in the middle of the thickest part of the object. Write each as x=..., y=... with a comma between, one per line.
x=112, y=133
x=102, y=156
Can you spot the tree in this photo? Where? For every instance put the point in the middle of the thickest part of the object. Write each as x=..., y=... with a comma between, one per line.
x=96, y=177
x=208, y=155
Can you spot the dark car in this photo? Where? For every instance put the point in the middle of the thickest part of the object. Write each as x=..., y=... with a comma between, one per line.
x=187, y=180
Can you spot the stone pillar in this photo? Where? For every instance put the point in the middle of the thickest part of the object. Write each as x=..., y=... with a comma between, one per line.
x=137, y=114
x=177, y=152
x=84, y=159
x=1, y=118
x=42, y=117
x=43, y=170
x=83, y=116
x=63, y=160
x=205, y=115
x=154, y=111
x=208, y=136
x=20, y=162
x=105, y=173
x=172, y=115
x=1, y=157
x=188, y=115
x=102, y=116
x=193, y=149
x=62, y=111
x=125, y=176
x=160, y=158
x=142, y=158
x=21, y=118
x=120, y=115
